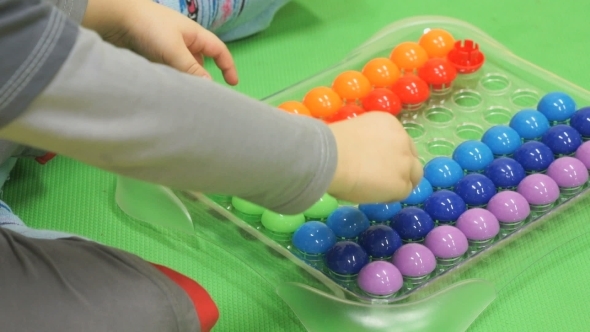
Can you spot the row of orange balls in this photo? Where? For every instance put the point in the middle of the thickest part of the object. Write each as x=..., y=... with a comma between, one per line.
x=351, y=86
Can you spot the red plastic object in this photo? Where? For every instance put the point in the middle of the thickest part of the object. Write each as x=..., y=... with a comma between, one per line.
x=44, y=159
x=382, y=100
x=412, y=91
x=345, y=112
x=466, y=56
x=439, y=74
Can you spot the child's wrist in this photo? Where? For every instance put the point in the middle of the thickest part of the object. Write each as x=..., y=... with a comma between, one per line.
x=110, y=18
x=341, y=184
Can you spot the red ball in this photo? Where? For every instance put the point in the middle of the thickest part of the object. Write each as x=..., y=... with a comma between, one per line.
x=345, y=112
x=411, y=90
x=438, y=73
x=382, y=99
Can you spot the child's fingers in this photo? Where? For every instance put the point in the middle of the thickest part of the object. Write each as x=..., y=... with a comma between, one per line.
x=414, y=149
x=200, y=59
x=187, y=62
x=197, y=70
x=209, y=45
x=416, y=173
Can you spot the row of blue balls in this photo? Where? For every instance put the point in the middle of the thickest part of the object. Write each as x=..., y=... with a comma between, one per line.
x=445, y=206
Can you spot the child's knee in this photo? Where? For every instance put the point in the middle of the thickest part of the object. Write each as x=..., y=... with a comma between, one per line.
x=91, y=288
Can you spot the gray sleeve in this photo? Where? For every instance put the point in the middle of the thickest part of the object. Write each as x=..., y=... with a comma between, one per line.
x=35, y=39
x=114, y=110
x=74, y=9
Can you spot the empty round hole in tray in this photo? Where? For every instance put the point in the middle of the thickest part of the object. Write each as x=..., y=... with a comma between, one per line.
x=439, y=114
x=469, y=131
x=497, y=115
x=413, y=129
x=495, y=82
x=440, y=147
x=525, y=98
x=467, y=98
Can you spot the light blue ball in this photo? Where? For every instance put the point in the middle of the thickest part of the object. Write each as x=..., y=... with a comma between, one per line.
x=530, y=124
x=502, y=140
x=473, y=156
x=557, y=106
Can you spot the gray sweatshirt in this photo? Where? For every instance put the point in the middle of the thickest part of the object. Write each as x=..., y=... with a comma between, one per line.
x=63, y=89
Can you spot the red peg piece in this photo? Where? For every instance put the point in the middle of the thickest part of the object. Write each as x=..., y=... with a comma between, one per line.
x=384, y=100
x=345, y=112
x=439, y=74
x=412, y=91
x=466, y=56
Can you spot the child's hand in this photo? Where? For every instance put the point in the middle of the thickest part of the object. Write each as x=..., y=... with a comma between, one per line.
x=159, y=34
x=377, y=160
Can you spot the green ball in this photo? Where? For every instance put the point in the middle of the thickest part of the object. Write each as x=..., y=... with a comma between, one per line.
x=322, y=208
x=246, y=207
x=280, y=223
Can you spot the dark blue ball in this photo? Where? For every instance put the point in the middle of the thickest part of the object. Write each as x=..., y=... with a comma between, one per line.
x=380, y=241
x=534, y=156
x=380, y=212
x=475, y=189
x=445, y=206
x=505, y=172
x=412, y=223
x=346, y=258
x=580, y=121
x=347, y=222
x=562, y=139
x=314, y=238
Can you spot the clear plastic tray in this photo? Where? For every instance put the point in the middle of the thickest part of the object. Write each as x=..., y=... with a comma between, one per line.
x=503, y=86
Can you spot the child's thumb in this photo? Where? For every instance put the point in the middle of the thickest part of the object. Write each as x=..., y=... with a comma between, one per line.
x=187, y=63
x=197, y=70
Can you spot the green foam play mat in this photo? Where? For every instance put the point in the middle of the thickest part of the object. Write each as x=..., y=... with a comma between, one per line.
x=306, y=37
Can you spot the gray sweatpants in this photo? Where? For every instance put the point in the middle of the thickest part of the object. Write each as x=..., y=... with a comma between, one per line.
x=71, y=284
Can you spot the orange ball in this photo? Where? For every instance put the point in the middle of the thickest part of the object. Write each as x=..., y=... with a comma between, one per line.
x=322, y=102
x=381, y=72
x=351, y=85
x=295, y=107
x=409, y=56
x=437, y=43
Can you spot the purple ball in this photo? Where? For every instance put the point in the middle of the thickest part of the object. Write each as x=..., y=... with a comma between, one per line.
x=446, y=242
x=509, y=207
x=539, y=189
x=380, y=278
x=583, y=154
x=478, y=224
x=568, y=172
x=414, y=260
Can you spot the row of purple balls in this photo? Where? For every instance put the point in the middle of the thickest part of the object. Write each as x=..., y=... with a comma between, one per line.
x=476, y=224
x=447, y=242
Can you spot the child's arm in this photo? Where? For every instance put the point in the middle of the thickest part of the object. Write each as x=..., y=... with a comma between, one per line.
x=159, y=34
x=83, y=98
x=114, y=110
